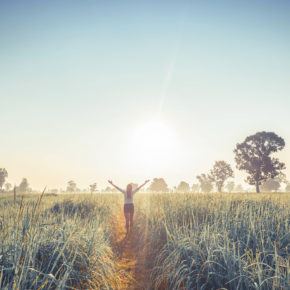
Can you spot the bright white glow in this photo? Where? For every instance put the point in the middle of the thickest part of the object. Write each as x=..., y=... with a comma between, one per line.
x=153, y=146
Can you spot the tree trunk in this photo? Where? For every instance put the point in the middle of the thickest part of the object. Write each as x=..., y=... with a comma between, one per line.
x=257, y=187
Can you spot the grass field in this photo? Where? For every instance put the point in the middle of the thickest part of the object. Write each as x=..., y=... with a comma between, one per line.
x=179, y=241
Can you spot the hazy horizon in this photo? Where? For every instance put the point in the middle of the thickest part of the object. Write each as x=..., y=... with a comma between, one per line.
x=86, y=85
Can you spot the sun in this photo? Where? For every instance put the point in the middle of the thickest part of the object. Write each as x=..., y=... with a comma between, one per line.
x=153, y=145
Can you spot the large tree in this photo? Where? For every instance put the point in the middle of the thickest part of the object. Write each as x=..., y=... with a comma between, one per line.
x=220, y=173
x=183, y=187
x=254, y=156
x=205, y=182
x=158, y=185
x=3, y=176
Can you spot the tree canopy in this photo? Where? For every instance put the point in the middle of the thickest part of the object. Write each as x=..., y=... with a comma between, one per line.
x=71, y=186
x=205, y=183
x=158, y=185
x=254, y=156
x=93, y=187
x=220, y=173
x=183, y=187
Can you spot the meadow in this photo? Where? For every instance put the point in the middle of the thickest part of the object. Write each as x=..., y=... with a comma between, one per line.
x=179, y=241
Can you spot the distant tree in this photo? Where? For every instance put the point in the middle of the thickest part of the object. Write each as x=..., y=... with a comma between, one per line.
x=71, y=186
x=134, y=185
x=183, y=187
x=8, y=187
x=254, y=157
x=110, y=189
x=3, y=176
x=287, y=189
x=93, y=187
x=23, y=186
x=205, y=183
x=230, y=186
x=220, y=173
x=239, y=188
x=272, y=184
x=195, y=187
x=158, y=185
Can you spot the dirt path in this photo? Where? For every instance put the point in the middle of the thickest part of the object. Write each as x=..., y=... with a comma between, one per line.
x=130, y=260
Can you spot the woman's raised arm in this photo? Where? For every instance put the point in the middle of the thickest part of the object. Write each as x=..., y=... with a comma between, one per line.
x=111, y=182
x=138, y=188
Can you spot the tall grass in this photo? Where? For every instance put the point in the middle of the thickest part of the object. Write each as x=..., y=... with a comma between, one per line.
x=195, y=241
x=186, y=241
x=57, y=242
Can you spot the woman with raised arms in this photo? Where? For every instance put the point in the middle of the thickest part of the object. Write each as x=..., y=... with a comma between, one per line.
x=128, y=203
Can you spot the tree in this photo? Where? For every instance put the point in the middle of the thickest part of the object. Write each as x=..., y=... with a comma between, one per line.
x=195, y=187
x=220, y=173
x=205, y=183
x=93, y=187
x=254, y=156
x=8, y=187
x=3, y=176
x=230, y=186
x=158, y=185
x=23, y=186
x=71, y=186
x=183, y=187
x=272, y=184
x=110, y=189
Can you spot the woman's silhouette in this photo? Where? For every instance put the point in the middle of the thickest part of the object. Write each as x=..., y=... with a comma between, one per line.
x=128, y=203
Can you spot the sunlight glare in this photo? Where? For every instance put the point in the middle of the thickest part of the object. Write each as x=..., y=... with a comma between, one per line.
x=153, y=145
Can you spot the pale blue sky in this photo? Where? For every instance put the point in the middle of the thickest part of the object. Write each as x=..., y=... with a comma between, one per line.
x=78, y=78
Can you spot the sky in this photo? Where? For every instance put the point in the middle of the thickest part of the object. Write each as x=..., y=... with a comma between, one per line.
x=129, y=90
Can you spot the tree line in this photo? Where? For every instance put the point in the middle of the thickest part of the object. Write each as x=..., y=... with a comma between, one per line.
x=254, y=156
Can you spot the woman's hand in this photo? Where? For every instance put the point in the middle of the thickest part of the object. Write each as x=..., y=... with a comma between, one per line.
x=147, y=181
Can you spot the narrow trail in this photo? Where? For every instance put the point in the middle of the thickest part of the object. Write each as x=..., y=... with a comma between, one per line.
x=130, y=260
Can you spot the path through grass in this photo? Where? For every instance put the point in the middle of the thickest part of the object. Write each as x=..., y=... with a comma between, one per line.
x=130, y=260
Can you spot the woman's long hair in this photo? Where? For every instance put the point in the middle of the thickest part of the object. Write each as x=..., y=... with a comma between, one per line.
x=129, y=190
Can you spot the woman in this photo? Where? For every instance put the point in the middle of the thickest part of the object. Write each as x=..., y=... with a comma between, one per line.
x=128, y=203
